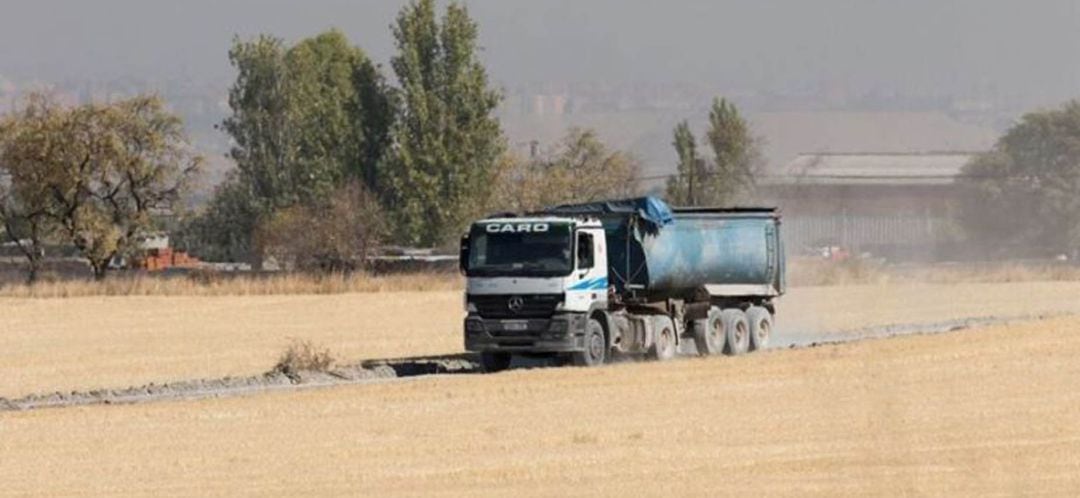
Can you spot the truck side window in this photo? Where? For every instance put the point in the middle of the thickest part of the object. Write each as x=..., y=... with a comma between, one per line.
x=584, y=251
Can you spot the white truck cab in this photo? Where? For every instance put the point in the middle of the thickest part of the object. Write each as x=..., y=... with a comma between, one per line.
x=531, y=284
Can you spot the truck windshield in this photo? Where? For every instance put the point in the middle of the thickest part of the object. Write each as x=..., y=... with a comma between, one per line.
x=520, y=249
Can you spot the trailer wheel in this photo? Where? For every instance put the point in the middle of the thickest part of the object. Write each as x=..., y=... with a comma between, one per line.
x=596, y=348
x=495, y=362
x=664, y=346
x=709, y=334
x=737, y=331
x=760, y=327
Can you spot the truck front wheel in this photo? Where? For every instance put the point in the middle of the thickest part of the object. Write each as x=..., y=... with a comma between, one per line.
x=495, y=362
x=596, y=348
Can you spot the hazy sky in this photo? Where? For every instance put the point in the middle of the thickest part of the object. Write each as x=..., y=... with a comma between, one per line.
x=1009, y=47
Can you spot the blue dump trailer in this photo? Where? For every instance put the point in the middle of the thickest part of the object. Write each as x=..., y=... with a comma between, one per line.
x=626, y=277
x=656, y=252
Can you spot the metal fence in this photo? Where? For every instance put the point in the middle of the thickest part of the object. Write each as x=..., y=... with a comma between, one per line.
x=854, y=231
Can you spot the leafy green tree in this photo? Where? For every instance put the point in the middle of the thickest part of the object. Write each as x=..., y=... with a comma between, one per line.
x=1023, y=197
x=342, y=110
x=260, y=125
x=690, y=185
x=306, y=119
x=580, y=169
x=448, y=143
x=736, y=154
x=100, y=172
x=726, y=179
x=376, y=109
x=223, y=230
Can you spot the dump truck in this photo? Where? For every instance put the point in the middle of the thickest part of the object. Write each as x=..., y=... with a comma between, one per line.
x=635, y=277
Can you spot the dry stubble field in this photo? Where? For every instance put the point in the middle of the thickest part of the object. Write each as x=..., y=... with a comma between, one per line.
x=974, y=413
x=109, y=342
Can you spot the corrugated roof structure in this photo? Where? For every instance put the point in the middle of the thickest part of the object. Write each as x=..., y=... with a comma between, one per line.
x=872, y=169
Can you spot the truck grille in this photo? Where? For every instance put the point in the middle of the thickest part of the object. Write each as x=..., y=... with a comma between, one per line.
x=532, y=305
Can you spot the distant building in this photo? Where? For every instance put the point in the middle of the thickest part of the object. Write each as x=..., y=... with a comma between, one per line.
x=154, y=241
x=898, y=206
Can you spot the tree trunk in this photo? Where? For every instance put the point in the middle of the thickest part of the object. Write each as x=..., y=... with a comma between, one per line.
x=256, y=260
x=32, y=273
x=35, y=258
x=34, y=254
x=99, y=269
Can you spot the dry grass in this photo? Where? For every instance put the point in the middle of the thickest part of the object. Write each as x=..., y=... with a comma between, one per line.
x=979, y=413
x=814, y=272
x=214, y=284
x=802, y=273
x=994, y=273
x=93, y=342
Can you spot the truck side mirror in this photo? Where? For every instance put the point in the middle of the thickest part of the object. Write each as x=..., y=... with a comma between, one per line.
x=463, y=255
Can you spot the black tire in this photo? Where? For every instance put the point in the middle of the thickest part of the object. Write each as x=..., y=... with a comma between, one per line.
x=596, y=348
x=709, y=334
x=761, y=326
x=666, y=344
x=736, y=330
x=495, y=362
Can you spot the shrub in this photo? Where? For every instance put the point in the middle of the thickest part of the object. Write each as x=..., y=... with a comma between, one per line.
x=304, y=356
x=334, y=236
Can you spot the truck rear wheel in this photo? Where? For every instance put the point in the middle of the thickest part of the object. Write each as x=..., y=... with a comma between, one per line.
x=737, y=331
x=709, y=334
x=596, y=348
x=495, y=362
x=760, y=327
x=664, y=345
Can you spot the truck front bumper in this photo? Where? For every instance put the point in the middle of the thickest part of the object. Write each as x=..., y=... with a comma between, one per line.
x=562, y=333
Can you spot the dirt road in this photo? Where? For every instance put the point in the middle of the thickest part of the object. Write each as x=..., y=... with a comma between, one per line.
x=51, y=345
x=977, y=413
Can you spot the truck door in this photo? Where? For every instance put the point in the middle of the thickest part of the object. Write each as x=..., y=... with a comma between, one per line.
x=588, y=283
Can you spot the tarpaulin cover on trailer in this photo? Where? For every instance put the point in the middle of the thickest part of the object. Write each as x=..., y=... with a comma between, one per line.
x=651, y=210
